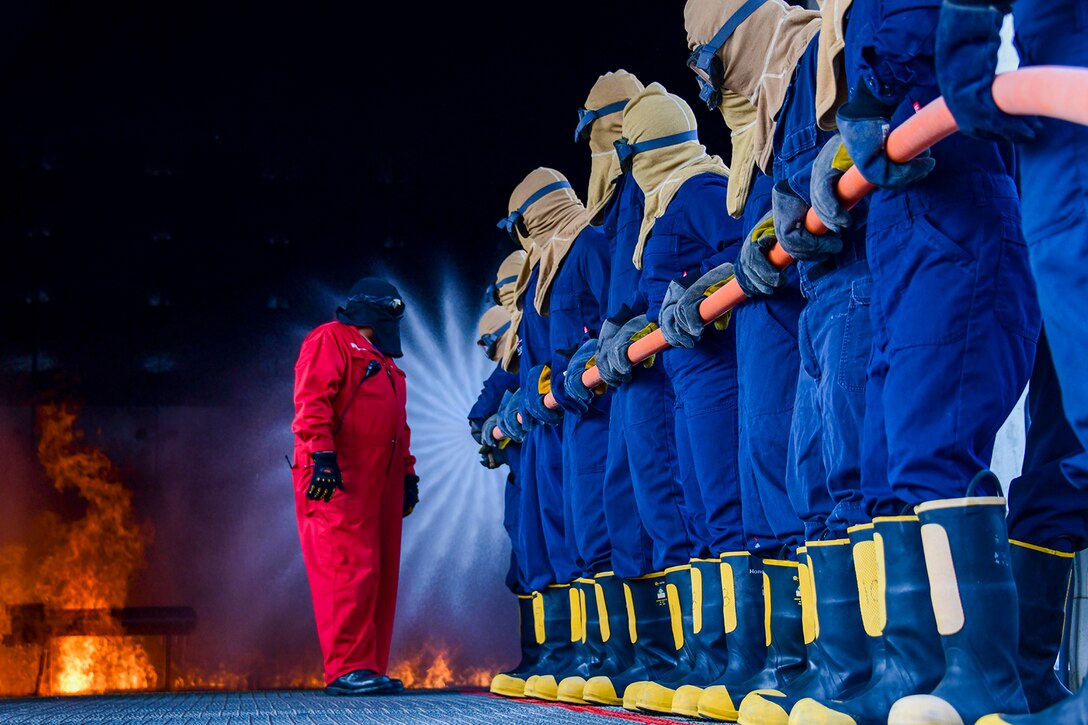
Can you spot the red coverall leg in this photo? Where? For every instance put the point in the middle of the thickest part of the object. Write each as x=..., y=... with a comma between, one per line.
x=351, y=544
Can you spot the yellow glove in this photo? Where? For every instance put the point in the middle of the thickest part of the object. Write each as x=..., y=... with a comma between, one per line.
x=648, y=362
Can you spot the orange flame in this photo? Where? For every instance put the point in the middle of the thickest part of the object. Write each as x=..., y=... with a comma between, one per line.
x=433, y=668
x=88, y=563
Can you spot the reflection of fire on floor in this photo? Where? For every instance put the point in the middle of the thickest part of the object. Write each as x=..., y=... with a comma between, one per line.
x=420, y=706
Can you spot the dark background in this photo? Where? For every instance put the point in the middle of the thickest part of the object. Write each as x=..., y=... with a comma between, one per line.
x=180, y=177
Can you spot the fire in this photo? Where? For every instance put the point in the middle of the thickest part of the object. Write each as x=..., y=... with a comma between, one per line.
x=433, y=669
x=88, y=564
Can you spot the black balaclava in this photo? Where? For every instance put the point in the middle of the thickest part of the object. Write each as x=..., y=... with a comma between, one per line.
x=376, y=304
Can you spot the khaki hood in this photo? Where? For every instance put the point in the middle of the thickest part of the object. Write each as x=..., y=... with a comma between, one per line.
x=832, y=90
x=553, y=220
x=758, y=58
x=653, y=115
x=610, y=89
x=496, y=321
x=741, y=117
x=506, y=279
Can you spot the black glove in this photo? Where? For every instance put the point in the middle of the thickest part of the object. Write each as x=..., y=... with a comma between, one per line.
x=327, y=477
x=411, y=492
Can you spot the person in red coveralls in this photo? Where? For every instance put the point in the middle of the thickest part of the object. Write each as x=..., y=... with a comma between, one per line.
x=354, y=480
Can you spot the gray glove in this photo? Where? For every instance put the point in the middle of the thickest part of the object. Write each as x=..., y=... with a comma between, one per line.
x=789, y=212
x=830, y=164
x=579, y=395
x=612, y=346
x=755, y=273
x=486, y=437
x=509, y=424
x=681, y=322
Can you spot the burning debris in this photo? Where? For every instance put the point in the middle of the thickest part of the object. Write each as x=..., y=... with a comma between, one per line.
x=87, y=564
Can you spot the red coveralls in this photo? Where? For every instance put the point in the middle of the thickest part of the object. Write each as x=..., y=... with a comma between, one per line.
x=351, y=545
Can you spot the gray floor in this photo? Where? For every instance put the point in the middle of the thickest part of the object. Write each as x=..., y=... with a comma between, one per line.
x=420, y=706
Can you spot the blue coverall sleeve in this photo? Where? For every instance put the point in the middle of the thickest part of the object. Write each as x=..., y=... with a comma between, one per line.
x=721, y=233
x=899, y=55
x=487, y=403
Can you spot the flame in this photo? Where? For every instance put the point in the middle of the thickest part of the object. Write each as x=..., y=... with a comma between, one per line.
x=434, y=668
x=88, y=563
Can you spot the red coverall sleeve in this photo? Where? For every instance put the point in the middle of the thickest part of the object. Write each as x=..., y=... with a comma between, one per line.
x=319, y=373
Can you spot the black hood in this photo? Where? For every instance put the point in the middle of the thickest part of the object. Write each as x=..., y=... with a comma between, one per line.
x=375, y=303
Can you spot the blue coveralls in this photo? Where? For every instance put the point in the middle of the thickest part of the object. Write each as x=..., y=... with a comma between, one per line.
x=1045, y=509
x=577, y=303
x=548, y=557
x=834, y=337
x=955, y=319
x=1054, y=193
x=684, y=239
x=768, y=361
x=487, y=403
x=644, y=502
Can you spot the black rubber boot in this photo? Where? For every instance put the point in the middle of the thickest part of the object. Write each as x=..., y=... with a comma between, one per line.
x=565, y=653
x=909, y=659
x=974, y=602
x=1043, y=577
x=654, y=643
x=606, y=631
x=512, y=682
x=785, y=648
x=744, y=625
x=838, y=651
x=589, y=646
x=704, y=655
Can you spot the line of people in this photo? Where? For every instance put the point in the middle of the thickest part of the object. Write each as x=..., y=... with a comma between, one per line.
x=787, y=516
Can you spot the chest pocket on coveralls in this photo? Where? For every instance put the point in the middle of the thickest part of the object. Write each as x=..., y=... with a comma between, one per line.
x=368, y=421
x=796, y=151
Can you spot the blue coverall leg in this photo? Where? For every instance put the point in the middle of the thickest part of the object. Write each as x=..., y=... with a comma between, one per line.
x=645, y=407
x=768, y=362
x=834, y=336
x=644, y=501
x=1045, y=509
x=695, y=512
x=704, y=380
x=585, y=443
x=632, y=546
x=1054, y=194
x=954, y=312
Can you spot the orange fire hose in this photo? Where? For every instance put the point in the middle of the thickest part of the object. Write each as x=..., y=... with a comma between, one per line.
x=1053, y=91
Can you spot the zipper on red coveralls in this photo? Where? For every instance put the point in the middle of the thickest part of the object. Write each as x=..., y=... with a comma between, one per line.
x=392, y=383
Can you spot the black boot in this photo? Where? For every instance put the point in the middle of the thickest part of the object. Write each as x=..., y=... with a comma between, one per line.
x=512, y=682
x=1042, y=580
x=651, y=631
x=838, y=649
x=589, y=647
x=909, y=659
x=607, y=633
x=745, y=638
x=703, y=623
x=785, y=650
x=974, y=602
x=364, y=682
x=564, y=653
